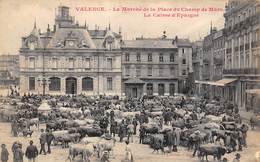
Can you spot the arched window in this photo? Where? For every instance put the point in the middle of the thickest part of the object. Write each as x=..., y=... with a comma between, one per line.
x=87, y=84
x=54, y=84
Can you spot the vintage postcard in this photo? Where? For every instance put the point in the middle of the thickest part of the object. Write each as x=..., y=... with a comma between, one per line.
x=129, y=80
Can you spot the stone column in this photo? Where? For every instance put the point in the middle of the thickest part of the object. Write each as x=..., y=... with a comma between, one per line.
x=239, y=65
x=250, y=50
x=79, y=85
x=232, y=54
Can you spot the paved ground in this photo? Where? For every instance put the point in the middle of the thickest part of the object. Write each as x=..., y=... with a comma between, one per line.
x=142, y=153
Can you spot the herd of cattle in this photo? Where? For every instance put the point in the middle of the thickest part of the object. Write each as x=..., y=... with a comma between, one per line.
x=75, y=121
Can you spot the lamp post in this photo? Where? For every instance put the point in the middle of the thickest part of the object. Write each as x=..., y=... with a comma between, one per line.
x=43, y=81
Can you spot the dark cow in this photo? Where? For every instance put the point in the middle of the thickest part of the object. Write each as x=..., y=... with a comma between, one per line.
x=150, y=128
x=90, y=132
x=215, y=151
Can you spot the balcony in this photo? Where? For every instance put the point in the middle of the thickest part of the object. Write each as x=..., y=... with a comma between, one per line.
x=245, y=71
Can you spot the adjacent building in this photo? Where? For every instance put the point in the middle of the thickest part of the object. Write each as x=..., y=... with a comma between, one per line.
x=70, y=59
x=9, y=69
x=155, y=66
x=211, y=49
x=242, y=19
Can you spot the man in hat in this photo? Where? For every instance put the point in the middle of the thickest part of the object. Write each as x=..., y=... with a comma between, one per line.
x=4, y=153
x=237, y=158
x=196, y=142
x=31, y=152
x=42, y=142
x=49, y=139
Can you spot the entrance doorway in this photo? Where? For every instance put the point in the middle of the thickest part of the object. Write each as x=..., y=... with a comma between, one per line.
x=161, y=89
x=71, y=85
x=172, y=89
x=134, y=92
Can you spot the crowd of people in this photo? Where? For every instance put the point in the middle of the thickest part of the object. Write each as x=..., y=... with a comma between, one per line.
x=158, y=121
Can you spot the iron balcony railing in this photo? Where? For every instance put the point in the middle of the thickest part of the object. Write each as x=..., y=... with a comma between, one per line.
x=245, y=71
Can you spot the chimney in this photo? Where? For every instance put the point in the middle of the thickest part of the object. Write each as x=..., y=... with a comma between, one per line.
x=54, y=28
x=48, y=28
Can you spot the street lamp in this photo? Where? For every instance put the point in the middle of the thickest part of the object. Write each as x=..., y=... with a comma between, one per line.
x=43, y=81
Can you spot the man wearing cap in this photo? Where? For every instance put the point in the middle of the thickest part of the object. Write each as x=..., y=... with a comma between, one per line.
x=4, y=154
x=42, y=142
x=237, y=158
x=31, y=152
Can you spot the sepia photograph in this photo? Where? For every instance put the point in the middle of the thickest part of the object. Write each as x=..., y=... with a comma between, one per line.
x=130, y=81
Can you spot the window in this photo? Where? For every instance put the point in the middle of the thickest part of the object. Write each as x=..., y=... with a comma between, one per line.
x=160, y=89
x=138, y=71
x=87, y=63
x=31, y=83
x=109, y=63
x=172, y=71
x=184, y=72
x=54, y=84
x=109, y=83
x=183, y=50
x=150, y=57
x=87, y=84
x=183, y=61
x=160, y=71
x=127, y=57
x=71, y=63
x=127, y=71
x=149, y=89
x=31, y=62
x=150, y=71
x=138, y=57
x=55, y=63
x=161, y=57
x=172, y=57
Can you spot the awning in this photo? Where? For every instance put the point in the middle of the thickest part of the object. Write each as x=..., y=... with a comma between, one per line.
x=221, y=82
x=225, y=81
x=134, y=81
x=253, y=91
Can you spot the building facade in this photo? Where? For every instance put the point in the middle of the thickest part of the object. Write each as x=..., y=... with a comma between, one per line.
x=241, y=48
x=212, y=62
x=9, y=69
x=155, y=66
x=70, y=59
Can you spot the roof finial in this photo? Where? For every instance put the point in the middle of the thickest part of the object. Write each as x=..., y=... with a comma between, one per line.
x=109, y=28
x=34, y=23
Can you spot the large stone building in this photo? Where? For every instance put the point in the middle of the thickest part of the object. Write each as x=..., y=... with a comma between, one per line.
x=212, y=62
x=197, y=64
x=242, y=19
x=70, y=59
x=155, y=66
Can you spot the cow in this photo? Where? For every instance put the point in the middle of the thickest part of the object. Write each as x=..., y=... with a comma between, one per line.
x=214, y=150
x=90, y=131
x=79, y=149
x=157, y=143
x=150, y=128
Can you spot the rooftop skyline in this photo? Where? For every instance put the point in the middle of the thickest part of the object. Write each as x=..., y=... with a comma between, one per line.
x=18, y=17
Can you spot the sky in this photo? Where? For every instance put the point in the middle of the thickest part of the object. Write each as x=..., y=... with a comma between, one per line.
x=17, y=18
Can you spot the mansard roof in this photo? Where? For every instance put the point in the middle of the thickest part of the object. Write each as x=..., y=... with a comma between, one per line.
x=77, y=34
x=149, y=43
